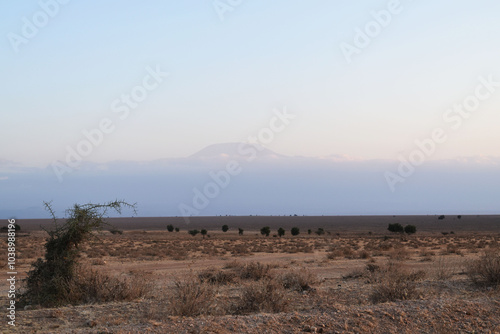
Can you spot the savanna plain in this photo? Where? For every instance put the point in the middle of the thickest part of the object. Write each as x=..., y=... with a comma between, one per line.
x=337, y=275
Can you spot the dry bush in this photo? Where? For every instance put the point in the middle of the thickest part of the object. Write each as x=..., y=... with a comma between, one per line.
x=216, y=276
x=399, y=254
x=263, y=296
x=395, y=283
x=486, y=269
x=298, y=280
x=444, y=270
x=253, y=271
x=90, y=286
x=190, y=297
x=363, y=254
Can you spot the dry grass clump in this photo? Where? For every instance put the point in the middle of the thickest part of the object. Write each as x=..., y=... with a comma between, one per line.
x=298, y=280
x=90, y=286
x=486, y=269
x=262, y=296
x=190, y=297
x=216, y=276
x=444, y=270
x=253, y=271
x=395, y=283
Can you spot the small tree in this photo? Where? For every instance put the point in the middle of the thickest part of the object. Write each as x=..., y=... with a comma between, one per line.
x=281, y=232
x=177, y=229
x=396, y=228
x=6, y=229
x=203, y=233
x=459, y=216
x=193, y=232
x=320, y=231
x=266, y=230
x=441, y=217
x=240, y=231
x=295, y=231
x=50, y=280
x=309, y=231
x=225, y=228
x=410, y=229
x=170, y=228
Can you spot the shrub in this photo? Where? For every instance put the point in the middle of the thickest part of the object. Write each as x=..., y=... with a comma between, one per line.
x=394, y=283
x=6, y=229
x=52, y=281
x=170, y=228
x=320, y=231
x=177, y=229
x=254, y=271
x=298, y=280
x=190, y=297
x=225, y=228
x=396, y=228
x=441, y=217
x=486, y=269
x=263, y=296
x=203, y=233
x=281, y=232
x=265, y=231
x=240, y=231
x=193, y=232
x=216, y=276
x=309, y=231
x=295, y=231
x=90, y=286
x=410, y=229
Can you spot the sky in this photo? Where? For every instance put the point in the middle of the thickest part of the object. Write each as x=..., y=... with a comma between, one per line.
x=142, y=81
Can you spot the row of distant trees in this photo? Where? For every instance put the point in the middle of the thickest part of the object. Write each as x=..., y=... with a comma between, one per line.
x=266, y=230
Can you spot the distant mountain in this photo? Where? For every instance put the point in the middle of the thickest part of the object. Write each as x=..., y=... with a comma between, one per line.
x=233, y=150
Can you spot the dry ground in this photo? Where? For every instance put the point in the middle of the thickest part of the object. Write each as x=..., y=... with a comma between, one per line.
x=343, y=271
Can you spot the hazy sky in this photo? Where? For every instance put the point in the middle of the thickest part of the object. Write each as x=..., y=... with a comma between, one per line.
x=230, y=65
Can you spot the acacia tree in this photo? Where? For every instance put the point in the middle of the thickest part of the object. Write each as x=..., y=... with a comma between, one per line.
x=50, y=280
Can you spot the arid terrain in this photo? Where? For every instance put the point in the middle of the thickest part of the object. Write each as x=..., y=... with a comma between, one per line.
x=345, y=275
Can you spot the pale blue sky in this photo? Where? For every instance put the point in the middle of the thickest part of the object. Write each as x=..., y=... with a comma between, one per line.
x=227, y=76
